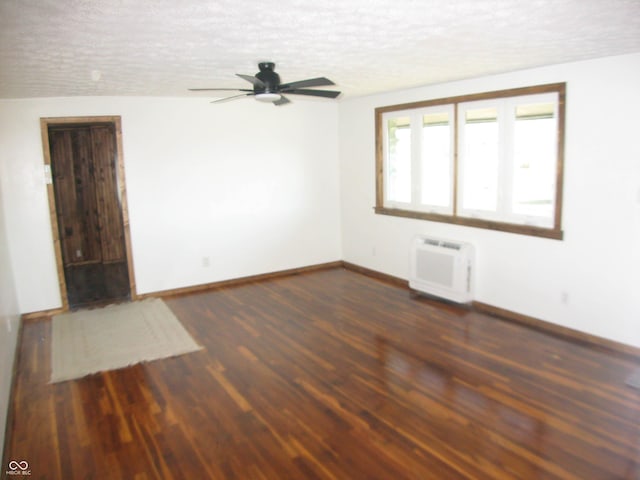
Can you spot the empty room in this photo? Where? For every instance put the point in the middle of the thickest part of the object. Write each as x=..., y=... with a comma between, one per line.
x=332, y=240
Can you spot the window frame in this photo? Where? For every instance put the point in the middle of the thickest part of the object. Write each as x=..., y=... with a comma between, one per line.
x=553, y=232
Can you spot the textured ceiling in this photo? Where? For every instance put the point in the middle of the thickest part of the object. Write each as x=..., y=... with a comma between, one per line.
x=163, y=47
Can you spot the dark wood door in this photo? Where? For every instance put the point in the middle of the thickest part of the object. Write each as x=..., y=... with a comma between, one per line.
x=89, y=215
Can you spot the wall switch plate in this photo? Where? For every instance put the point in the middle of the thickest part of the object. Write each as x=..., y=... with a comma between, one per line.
x=48, y=179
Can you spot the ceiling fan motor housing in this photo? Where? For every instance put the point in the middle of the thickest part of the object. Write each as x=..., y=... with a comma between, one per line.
x=267, y=87
x=270, y=78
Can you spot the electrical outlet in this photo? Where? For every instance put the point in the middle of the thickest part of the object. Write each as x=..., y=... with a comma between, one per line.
x=206, y=261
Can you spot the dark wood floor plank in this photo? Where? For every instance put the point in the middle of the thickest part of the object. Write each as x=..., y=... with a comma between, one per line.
x=333, y=375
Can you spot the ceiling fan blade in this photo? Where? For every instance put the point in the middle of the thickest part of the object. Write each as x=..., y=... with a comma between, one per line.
x=313, y=93
x=226, y=99
x=253, y=80
x=220, y=89
x=312, y=82
x=283, y=101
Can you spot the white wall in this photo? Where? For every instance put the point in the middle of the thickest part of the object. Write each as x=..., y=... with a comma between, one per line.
x=597, y=265
x=253, y=187
x=9, y=319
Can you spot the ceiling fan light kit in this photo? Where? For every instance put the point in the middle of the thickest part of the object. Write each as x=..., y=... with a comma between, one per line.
x=268, y=97
x=267, y=87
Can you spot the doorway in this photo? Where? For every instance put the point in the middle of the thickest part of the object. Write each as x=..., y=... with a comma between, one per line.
x=88, y=209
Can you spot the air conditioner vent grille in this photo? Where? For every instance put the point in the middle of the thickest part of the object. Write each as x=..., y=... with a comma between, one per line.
x=442, y=243
x=452, y=246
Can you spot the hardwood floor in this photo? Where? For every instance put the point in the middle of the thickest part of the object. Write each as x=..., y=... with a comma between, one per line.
x=333, y=375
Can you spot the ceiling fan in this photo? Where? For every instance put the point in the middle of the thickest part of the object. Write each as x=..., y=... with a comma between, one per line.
x=267, y=87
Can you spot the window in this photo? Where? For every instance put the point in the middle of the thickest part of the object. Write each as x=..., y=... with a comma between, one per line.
x=418, y=147
x=491, y=160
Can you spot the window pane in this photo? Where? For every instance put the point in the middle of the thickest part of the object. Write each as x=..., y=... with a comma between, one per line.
x=399, y=165
x=481, y=161
x=436, y=160
x=534, y=160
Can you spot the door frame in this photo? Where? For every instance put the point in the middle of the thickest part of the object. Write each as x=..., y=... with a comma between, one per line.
x=45, y=123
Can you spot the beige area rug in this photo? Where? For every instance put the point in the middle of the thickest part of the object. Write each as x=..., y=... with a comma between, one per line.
x=91, y=341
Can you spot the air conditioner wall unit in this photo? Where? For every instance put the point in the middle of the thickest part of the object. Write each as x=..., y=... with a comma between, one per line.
x=443, y=268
